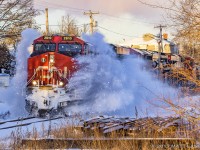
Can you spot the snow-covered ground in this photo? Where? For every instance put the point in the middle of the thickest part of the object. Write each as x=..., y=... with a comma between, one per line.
x=110, y=86
x=28, y=125
x=43, y=127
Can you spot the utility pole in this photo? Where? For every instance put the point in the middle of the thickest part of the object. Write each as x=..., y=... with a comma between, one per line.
x=90, y=13
x=47, y=21
x=85, y=28
x=160, y=43
x=62, y=25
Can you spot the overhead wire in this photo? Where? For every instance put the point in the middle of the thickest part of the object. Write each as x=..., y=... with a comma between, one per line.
x=56, y=6
x=80, y=25
x=80, y=10
x=116, y=32
x=127, y=19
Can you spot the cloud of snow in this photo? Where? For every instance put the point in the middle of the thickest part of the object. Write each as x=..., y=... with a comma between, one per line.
x=112, y=86
x=13, y=95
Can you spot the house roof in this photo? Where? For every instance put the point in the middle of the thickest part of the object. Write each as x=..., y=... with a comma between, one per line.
x=140, y=41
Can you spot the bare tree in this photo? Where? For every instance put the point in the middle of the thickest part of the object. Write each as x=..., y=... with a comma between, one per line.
x=68, y=26
x=15, y=16
x=184, y=17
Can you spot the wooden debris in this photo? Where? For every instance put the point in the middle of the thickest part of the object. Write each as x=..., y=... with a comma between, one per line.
x=105, y=132
x=112, y=124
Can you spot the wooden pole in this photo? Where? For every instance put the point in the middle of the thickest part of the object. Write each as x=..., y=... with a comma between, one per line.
x=47, y=21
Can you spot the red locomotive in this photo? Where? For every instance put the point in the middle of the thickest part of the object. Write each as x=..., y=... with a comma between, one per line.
x=50, y=66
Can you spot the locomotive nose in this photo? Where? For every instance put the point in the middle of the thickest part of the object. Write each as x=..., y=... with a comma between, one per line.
x=50, y=66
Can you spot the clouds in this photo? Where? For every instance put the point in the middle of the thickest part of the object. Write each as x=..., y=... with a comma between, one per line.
x=111, y=7
x=127, y=17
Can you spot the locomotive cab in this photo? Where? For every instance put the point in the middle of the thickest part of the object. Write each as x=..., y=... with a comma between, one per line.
x=51, y=64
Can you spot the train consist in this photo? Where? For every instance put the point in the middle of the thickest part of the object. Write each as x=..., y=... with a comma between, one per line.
x=53, y=62
x=50, y=66
x=174, y=69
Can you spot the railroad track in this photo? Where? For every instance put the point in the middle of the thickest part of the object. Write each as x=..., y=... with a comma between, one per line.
x=16, y=120
x=20, y=122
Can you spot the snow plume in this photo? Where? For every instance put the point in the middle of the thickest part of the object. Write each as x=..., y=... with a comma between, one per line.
x=13, y=95
x=119, y=87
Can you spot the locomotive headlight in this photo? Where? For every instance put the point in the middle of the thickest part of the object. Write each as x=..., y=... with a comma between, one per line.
x=51, y=59
x=34, y=82
x=61, y=83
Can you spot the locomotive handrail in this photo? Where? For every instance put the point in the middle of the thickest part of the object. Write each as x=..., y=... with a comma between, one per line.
x=41, y=67
x=59, y=71
x=31, y=79
x=60, y=74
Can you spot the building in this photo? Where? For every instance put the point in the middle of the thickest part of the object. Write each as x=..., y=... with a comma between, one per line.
x=152, y=45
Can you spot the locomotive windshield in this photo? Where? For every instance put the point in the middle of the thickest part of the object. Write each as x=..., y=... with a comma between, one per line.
x=40, y=48
x=45, y=47
x=70, y=49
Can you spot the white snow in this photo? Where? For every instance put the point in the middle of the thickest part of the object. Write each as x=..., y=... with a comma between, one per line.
x=43, y=128
x=108, y=85
x=115, y=87
x=13, y=95
x=4, y=79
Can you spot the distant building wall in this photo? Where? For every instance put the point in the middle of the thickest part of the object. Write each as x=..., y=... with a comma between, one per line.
x=167, y=48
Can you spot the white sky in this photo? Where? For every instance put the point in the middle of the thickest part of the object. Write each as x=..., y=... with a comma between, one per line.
x=129, y=18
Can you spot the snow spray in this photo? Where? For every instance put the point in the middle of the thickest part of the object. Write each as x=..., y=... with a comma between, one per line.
x=13, y=95
x=116, y=87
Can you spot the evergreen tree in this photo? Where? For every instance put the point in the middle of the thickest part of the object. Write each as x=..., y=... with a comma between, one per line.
x=5, y=57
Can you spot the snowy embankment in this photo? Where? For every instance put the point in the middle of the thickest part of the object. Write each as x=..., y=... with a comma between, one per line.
x=4, y=107
x=32, y=128
x=27, y=126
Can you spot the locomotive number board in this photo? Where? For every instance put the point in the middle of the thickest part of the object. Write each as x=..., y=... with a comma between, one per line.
x=67, y=38
x=47, y=37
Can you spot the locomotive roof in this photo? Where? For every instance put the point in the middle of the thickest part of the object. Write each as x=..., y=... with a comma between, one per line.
x=58, y=38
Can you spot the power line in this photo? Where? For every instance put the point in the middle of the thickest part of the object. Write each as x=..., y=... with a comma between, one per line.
x=54, y=7
x=62, y=6
x=121, y=18
x=79, y=25
x=80, y=10
x=116, y=32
